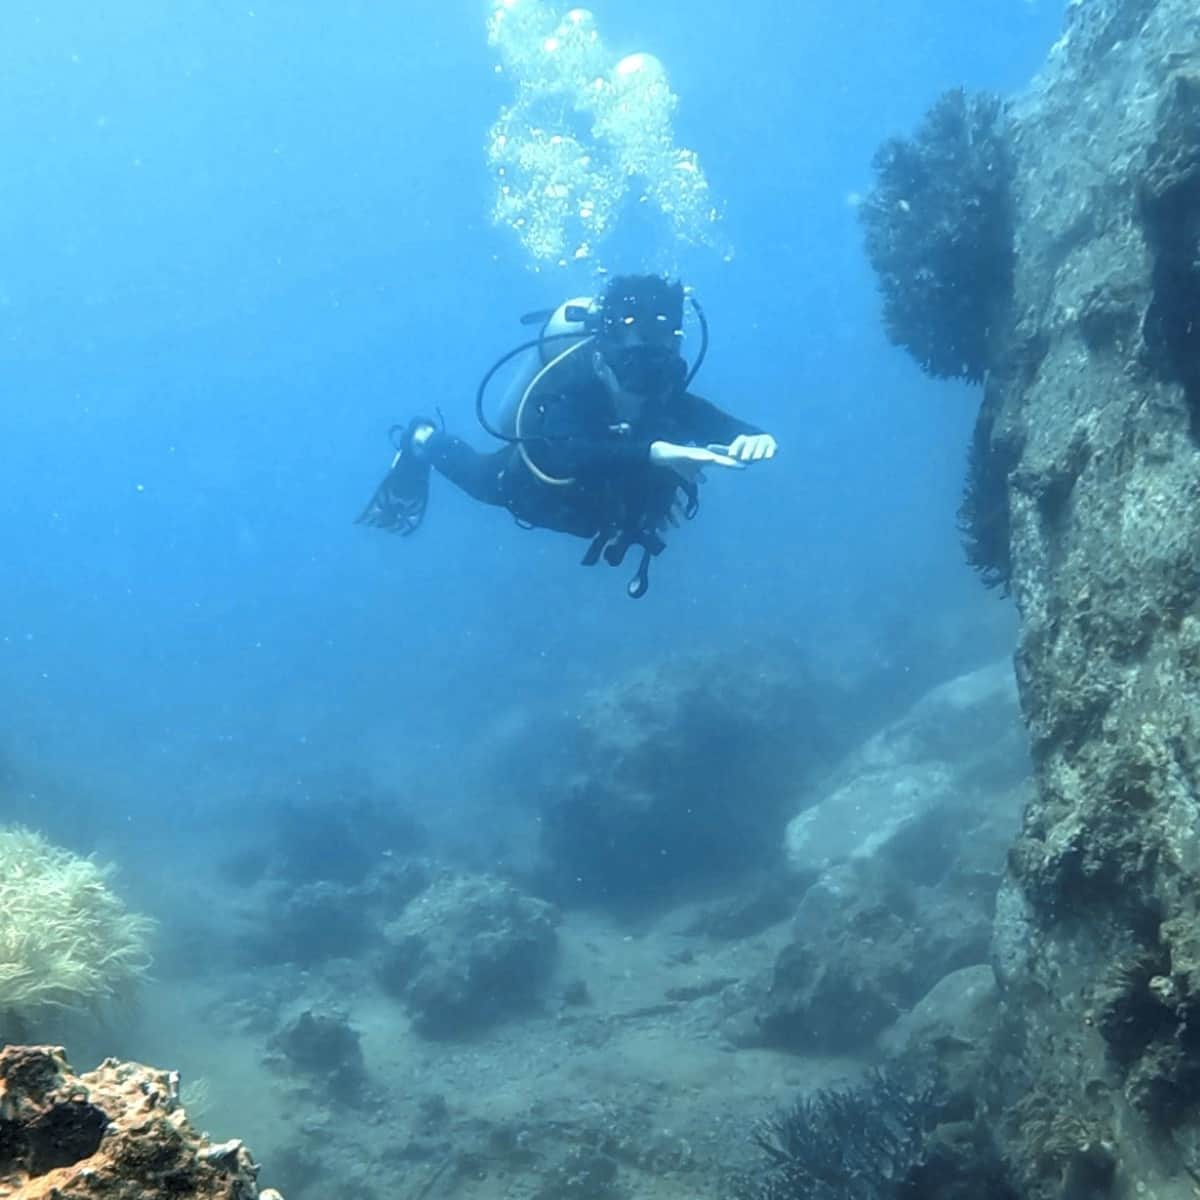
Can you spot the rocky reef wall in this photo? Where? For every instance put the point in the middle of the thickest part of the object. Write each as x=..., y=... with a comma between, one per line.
x=1092, y=405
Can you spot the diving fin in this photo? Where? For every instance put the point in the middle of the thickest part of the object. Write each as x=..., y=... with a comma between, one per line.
x=398, y=503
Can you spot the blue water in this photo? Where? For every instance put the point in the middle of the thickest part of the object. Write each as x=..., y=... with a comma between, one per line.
x=241, y=239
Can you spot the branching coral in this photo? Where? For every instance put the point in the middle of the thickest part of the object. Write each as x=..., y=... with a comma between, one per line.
x=983, y=515
x=939, y=233
x=66, y=940
x=1060, y=1144
x=861, y=1143
x=897, y=1134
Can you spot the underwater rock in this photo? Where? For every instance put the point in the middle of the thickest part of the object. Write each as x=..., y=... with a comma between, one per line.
x=764, y=903
x=584, y=1174
x=952, y=1029
x=907, y=848
x=327, y=1047
x=836, y=1004
x=875, y=815
x=118, y=1131
x=315, y=922
x=331, y=827
x=1170, y=210
x=679, y=778
x=864, y=951
x=1093, y=397
x=913, y=793
x=306, y=925
x=396, y=881
x=468, y=952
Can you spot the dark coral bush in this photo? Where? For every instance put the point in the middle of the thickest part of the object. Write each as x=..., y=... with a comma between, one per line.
x=939, y=232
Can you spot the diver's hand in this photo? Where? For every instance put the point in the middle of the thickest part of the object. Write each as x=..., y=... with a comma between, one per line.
x=689, y=461
x=750, y=447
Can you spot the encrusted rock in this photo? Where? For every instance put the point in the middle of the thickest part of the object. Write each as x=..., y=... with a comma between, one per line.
x=907, y=851
x=961, y=741
x=1088, y=465
x=467, y=952
x=311, y=923
x=325, y=1046
x=118, y=1132
x=954, y=1025
x=679, y=777
x=862, y=955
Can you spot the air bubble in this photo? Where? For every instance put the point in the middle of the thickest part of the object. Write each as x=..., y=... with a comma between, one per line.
x=585, y=136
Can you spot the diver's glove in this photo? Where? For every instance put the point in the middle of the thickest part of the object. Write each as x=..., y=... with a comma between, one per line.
x=750, y=447
x=688, y=461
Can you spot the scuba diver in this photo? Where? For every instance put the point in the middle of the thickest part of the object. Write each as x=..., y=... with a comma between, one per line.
x=604, y=439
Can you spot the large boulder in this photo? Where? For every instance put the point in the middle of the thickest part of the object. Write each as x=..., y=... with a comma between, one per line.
x=863, y=952
x=955, y=1026
x=327, y=827
x=905, y=850
x=679, y=777
x=903, y=795
x=326, y=1047
x=310, y=923
x=467, y=952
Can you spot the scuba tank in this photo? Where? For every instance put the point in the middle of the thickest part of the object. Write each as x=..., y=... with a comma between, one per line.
x=563, y=329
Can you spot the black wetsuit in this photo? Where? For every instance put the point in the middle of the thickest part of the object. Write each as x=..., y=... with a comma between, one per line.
x=571, y=432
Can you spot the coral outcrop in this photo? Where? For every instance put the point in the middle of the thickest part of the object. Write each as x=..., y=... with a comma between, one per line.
x=117, y=1132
